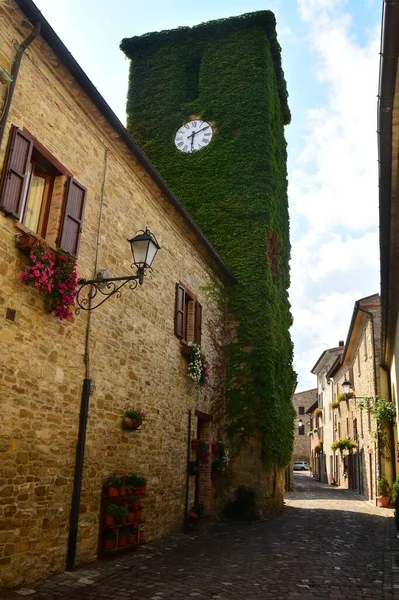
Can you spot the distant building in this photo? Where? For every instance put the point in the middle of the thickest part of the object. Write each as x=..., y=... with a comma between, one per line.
x=301, y=402
x=321, y=417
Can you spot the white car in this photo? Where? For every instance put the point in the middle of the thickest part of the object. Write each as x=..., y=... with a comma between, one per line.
x=300, y=465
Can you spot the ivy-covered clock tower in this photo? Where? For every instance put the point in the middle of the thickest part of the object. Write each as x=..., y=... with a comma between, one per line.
x=208, y=105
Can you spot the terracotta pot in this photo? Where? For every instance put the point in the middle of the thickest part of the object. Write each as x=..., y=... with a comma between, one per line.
x=129, y=423
x=383, y=501
x=113, y=491
x=141, y=536
x=27, y=241
x=195, y=444
x=109, y=520
x=138, y=515
x=122, y=491
x=186, y=350
x=130, y=517
x=141, y=490
x=109, y=544
x=122, y=541
x=132, y=539
x=122, y=520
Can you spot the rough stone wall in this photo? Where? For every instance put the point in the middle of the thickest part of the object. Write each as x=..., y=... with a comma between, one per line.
x=135, y=359
x=302, y=442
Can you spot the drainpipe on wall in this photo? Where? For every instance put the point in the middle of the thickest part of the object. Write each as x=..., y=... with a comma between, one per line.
x=188, y=468
x=84, y=409
x=14, y=74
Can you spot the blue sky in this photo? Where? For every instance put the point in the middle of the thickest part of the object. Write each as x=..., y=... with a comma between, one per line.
x=330, y=54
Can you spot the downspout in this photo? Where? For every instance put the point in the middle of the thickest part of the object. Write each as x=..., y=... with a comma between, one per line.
x=14, y=75
x=84, y=409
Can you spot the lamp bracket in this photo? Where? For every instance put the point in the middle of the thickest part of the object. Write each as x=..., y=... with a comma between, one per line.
x=94, y=292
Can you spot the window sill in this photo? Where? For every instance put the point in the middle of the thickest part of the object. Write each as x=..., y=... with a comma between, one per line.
x=26, y=240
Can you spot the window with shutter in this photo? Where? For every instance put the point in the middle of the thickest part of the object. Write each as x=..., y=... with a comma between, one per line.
x=188, y=315
x=32, y=192
x=73, y=217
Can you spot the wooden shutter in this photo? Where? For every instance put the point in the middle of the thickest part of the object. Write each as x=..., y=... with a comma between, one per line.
x=16, y=173
x=179, y=310
x=73, y=217
x=198, y=323
x=190, y=334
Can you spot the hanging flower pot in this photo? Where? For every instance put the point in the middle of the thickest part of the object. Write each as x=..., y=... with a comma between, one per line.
x=186, y=350
x=132, y=419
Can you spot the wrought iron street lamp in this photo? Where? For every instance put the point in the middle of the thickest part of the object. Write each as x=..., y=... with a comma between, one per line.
x=94, y=292
x=346, y=387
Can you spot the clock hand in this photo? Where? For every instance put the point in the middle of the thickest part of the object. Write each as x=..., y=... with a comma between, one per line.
x=203, y=129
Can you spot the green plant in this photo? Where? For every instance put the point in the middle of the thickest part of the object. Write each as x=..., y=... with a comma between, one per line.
x=113, y=510
x=113, y=481
x=342, y=397
x=343, y=444
x=319, y=448
x=198, y=367
x=383, y=486
x=243, y=507
x=136, y=415
x=334, y=404
x=395, y=491
x=318, y=412
x=220, y=460
x=164, y=87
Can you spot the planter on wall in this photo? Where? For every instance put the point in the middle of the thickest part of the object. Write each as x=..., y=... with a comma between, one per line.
x=128, y=423
x=113, y=491
x=26, y=242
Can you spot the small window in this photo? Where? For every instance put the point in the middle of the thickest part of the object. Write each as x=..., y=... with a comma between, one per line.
x=301, y=410
x=38, y=192
x=188, y=316
x=301, y=430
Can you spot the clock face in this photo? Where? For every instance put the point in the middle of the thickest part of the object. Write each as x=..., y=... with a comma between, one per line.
x=193, y=136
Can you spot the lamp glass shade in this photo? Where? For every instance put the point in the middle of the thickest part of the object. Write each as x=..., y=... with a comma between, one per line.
x=346, y=386
x=144, y=248
x=300, y=423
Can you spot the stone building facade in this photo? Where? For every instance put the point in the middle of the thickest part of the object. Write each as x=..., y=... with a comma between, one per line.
x=301, y=402
x=322, y=426
x=353, y=417
x=127, y=348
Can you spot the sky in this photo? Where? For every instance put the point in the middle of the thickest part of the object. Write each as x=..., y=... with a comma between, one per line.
x=330, y=53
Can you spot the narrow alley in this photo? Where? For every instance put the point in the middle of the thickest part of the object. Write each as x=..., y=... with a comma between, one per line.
x=327, y=543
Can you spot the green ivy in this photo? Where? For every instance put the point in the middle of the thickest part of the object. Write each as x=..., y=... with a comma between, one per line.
x=229, y=73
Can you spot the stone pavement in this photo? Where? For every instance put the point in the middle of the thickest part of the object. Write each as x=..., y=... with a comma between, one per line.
x=327, y=544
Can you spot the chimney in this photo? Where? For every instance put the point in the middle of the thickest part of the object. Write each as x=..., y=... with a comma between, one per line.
x=341, y=343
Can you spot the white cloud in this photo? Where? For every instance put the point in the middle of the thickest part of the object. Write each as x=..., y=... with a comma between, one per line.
x=333, y=186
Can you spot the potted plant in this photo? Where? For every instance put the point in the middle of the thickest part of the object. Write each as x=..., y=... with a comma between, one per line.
x=318, y=412
x=141, y=537
x=132, y=536
x=122, y=486
x=138, y=509
x=131, y=513
x=383, y=492
x=109, y=540
x=132, y=419
x=122, y=539
x=122, y=514
x=113, y=484
x=334, y=404
x=112, y=514
x=140, y=486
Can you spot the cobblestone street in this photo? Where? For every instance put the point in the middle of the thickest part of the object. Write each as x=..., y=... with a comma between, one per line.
x=327, y=543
